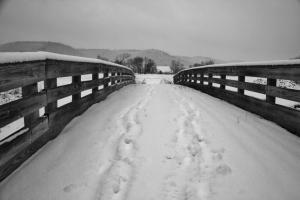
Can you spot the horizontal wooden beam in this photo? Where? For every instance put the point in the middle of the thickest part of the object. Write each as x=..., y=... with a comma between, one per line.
x=286, y=72
x=289, y=94
x=14, y=110
x=21, y=74
x=67, y=90
x=57, y=68
x=285, y=93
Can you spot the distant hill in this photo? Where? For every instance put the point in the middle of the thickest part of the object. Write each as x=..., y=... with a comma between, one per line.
x=160, y=57
x=33, y=46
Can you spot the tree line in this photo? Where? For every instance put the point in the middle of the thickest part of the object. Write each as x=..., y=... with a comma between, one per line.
x=145, y=65
x=142, y=65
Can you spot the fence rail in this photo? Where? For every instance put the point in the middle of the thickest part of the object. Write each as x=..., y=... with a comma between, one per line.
x=215, y=79
x=39, y=129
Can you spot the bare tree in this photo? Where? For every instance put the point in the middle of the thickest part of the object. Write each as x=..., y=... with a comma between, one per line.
x=121, y=59
x=203, y=63
x=102, y=57
x=176, y=66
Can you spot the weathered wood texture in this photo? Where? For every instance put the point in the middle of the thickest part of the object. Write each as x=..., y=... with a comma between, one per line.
x=21, y=74
x=37, y=131
x=288, y=118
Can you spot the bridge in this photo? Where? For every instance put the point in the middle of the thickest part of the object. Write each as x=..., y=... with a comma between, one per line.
x=85, y=130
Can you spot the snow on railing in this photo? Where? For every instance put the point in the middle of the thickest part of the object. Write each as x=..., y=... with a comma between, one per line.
x=15, y=57
x=269, y=88
x=48, y=102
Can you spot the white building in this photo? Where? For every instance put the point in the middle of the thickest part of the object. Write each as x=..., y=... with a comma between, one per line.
x=164, y=69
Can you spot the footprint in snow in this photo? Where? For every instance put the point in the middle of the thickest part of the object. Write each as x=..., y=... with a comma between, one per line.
x=223, y=170
x=217, y=156
x=127, y=140
x=69, y=188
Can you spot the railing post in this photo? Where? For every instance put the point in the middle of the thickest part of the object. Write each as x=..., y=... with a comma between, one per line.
x=105, y=75
x=241, y=79
x=202, y=78
x=119, y=78
x=270, y=82
x=181, y=77
x=209, y=79
x=113, y=78
x=76, y=80
x=223, y=77
x=50, y=84
x=195, y=77
x=186, y=77
x=27, y=91
x=95, y=76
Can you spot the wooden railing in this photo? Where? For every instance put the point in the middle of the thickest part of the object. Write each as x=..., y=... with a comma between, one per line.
x=40, y=128
x=215, y=79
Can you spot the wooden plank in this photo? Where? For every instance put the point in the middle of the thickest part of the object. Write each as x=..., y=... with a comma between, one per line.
x=67, y=90
x=28, y=91
x=289, y=94
x=127, y=76
x=21, y=74
x=271, y=82
x=64, y=114
x=113, y=78
x=55, y=68
x=76, y=82
x=242, y=85
x=14, y=110
x=51, y=105
x=288, y=72
x=210, y=76
x=95, y=78
x=106, y=78
x=241, y=79
x=223, y=77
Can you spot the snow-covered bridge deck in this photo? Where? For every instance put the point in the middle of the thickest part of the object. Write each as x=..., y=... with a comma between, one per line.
x=162, y=141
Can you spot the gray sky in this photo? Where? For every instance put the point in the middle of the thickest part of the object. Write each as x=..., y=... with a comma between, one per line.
x=224, y=29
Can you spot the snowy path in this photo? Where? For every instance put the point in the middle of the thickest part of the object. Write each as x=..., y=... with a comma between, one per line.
x=162, y=141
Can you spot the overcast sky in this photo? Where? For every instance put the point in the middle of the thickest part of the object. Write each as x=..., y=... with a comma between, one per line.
x=224, y=29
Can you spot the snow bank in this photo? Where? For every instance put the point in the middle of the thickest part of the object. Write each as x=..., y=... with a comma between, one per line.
x=15, y=57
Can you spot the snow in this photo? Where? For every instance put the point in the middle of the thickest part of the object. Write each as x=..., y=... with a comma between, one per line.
x=162, y=141
x=15, y=57
x=256, y=63
x=10, y=95
x=153, y=79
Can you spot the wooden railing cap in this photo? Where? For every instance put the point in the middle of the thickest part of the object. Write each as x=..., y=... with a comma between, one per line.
x=17, y=57
x=247, y=64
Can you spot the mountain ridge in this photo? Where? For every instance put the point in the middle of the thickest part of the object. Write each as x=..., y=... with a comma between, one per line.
x=160, y=57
